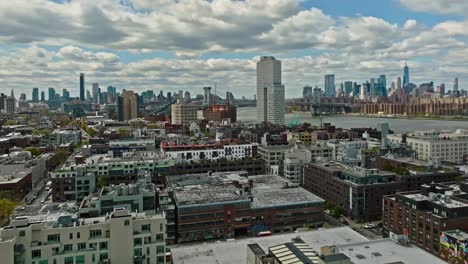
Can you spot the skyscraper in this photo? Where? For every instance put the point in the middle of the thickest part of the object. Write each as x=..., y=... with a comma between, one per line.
x=42, y=96
x=127, y=106
x=96, y=92
x=23, y=97
x=35, y=95
x=207, y=98
x=406, y=78
x=270, y=91
x=82, y=87
x=112, y=90
x=348, y=87
x=307, y=92
x=372, y=92
x=66, y=94
x=382, y=86
x=330, y=90
x=10, y=104
x=51, y=93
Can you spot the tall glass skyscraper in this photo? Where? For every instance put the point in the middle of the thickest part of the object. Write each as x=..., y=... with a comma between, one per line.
x=35, y=95
x=330, y=90
x=406, y=79
x=82, y=88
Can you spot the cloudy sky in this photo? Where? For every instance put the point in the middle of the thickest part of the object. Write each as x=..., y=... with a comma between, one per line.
x=187, y=44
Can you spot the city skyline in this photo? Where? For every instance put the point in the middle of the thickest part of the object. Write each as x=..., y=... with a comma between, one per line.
x=355, y=42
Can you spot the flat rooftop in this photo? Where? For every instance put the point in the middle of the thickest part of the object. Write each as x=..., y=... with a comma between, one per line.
x=386, y=251
x=267, y=191
x=235, y=252
x=458, y=234
x=452, y=203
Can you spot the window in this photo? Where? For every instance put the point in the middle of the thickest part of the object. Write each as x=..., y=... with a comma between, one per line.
x=80, y=260
x=160, y=250
x=68, y=260
x=160, y=260
x=159, y=238
x=137, y=241
x=22, y=233
x=35, y=254
x=43, y=262
x=95, y=233
x=81, y=246
x=145, y=228
x=103, y=256
x=161, y=228
x=103, y=246
x=70, y=235
x=55, y=251
x=78, y=235
x=68, y=247
x=53, y=238
x=127, y=222
x=147, y=240
x=137, y=252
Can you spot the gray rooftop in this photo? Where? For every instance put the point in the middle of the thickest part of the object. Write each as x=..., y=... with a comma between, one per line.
x=267, y=191
x=235, y=252
x=386, y=251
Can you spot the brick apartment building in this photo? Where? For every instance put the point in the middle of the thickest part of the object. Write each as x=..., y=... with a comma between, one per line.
x=358, y=191
x=423, y=215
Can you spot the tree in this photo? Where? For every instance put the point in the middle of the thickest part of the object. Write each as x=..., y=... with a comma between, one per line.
x=11, y=122
x=91, y=131
x=101, y=182
x=34, y=151
x=6, y=207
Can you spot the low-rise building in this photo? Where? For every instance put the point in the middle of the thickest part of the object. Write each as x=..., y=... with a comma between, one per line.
x=359, y=191
x=272, y=155
x=450, y=146
x=211, y=150
x=228, y=205
x=119, y=237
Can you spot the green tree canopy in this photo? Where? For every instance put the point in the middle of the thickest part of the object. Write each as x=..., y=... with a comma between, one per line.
x=34, y=151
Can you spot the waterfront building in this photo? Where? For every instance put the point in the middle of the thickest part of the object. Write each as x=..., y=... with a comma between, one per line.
x=219, y=113
x=450, y=146
x=307, y=92
x=330, y=90
x=270, y=91
x=183, y=113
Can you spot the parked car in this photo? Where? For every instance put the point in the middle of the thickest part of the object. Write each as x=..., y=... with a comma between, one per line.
x=370, y=226
x=344, y=221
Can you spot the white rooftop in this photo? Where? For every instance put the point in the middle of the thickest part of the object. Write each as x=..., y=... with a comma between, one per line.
x=387, y=251
x=235, y=252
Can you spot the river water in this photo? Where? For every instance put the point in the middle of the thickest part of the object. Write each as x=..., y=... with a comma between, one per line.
x=248, y=115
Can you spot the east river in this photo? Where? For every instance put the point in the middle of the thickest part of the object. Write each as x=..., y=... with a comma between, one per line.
x=248, y=115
